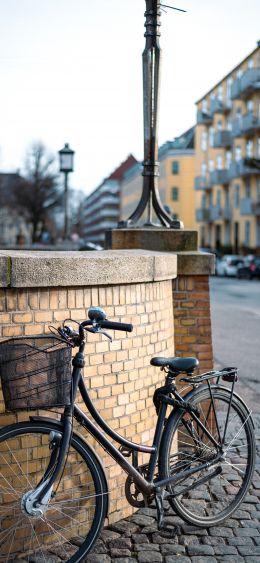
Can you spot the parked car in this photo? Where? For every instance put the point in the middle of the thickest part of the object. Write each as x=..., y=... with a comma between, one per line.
x=250, y=269
x=228, y=265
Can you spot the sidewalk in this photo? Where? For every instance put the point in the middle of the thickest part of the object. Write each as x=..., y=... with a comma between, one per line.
x=138, y=539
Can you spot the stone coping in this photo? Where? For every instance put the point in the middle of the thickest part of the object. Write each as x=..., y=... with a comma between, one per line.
x=21, y=268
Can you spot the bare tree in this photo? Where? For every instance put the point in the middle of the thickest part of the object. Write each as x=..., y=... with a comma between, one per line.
x=39, y=193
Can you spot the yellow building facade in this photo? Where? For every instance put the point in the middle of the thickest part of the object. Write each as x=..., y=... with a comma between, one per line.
x=176, y=181
x=227, y=160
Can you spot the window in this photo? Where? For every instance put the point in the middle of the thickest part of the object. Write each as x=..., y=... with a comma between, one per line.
x=219, y=162
x=250, y=106
x=219, y=125
x=211, y=135
x=175, y=216
x=229, y=84
x=205, y=105
x=247, y=233
x=220, y=92
x=228, y=159
x=258, y=147
x=248, y=190
x=175, y=167
x=237, y=195
x=203, y=141
x=238, y=153
x=203, y=168
x=249, y=148
x=258, y=190
x=250, y=63
x=218, y=202
x=211, y=165
x=175, y=194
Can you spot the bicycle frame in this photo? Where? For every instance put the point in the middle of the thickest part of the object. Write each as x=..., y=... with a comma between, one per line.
x=146, y=486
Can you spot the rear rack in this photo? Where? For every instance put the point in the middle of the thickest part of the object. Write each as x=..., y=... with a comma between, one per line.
x=227, y=374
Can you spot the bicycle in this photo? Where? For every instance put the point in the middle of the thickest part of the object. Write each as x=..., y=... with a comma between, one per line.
x=53, y=488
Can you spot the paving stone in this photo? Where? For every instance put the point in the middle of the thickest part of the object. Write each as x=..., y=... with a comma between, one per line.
x=257, y=540
x=142, y=520
x=170, y=549
x=201, y=559
x=250, y=532
x=211, y=540
x=120, y=543
x=99, y=547
x=124, y=527
x=140, y=538
x=240, y=541
x=201, y=549
x=147, y=511
x=146, y=547
x=225, y=550
x=186, y=529
x=250, y=523
x=108, y=535
x=181, y=559
x=125, y=560
x=187, y=540
x=120, y=552
x=159, y=539
x=94, y=558
x=249, y=550
x=221, y=531
x=149, y=557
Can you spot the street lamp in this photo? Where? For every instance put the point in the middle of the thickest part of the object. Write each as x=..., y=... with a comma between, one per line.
x=66, y=165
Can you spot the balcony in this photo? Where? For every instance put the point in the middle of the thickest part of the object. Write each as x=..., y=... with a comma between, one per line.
x=250, y=123
x=215, y=213
x=246, y=206
x=256, y=208
x=202, y=215
x=202, y=183
x=222, y=139
x=236, y=128
x=218, y=106
x=243, y=167
x=219, y=176
x=246, y=85
x=227, y=213
x=204, y=118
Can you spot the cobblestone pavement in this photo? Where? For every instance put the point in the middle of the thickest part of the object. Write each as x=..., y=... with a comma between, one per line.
x=138, y=539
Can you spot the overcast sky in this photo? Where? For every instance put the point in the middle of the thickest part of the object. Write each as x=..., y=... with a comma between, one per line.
x=72, y=72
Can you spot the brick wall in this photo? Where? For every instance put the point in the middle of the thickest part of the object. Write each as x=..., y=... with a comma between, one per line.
x=192, y=321
x=118, y=375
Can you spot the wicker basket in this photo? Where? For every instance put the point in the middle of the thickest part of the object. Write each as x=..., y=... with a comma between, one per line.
x=35, y=372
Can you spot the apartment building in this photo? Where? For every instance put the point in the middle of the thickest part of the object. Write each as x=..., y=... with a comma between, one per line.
x=176, y=181
x=102, y=206
x=227, y=160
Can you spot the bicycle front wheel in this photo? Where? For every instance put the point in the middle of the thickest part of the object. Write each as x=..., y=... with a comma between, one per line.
x=213, y=493
x=67, y=527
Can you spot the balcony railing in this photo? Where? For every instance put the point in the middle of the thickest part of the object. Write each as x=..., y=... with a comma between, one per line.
x=215, y=213
x=227, y=213
x=242, y=168
x=202, y=183
x=236, y=128
x=218, y=106
x=202, y=215
x=219, y=176
x=247, y=84
x=204, y=118
x=246, y=206
x=250, y=123
x=222, y=139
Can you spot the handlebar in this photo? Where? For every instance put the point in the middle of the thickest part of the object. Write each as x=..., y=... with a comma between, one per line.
x=97, y=321
x=109, y=324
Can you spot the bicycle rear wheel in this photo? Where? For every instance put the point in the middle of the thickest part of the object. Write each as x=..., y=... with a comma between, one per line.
x=71, y=521
x=212, y=494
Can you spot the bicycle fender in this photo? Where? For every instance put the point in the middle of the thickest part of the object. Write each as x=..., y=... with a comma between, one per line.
x=175, y=412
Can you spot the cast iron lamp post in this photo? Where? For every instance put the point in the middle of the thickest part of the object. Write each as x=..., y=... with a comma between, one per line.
x=66, y=165
x=150, y=198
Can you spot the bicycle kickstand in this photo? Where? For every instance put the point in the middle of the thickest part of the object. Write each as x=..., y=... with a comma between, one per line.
x=159, y=507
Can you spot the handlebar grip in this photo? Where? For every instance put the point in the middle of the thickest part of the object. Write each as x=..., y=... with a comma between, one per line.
x=116, y=326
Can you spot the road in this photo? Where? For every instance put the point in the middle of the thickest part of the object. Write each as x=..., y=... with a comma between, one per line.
x=235, y=309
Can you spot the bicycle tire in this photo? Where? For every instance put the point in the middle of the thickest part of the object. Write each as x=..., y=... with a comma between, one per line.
x=72, y=520
x=184, y=446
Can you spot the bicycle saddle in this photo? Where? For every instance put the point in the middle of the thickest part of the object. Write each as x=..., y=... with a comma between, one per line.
x=176, y=365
